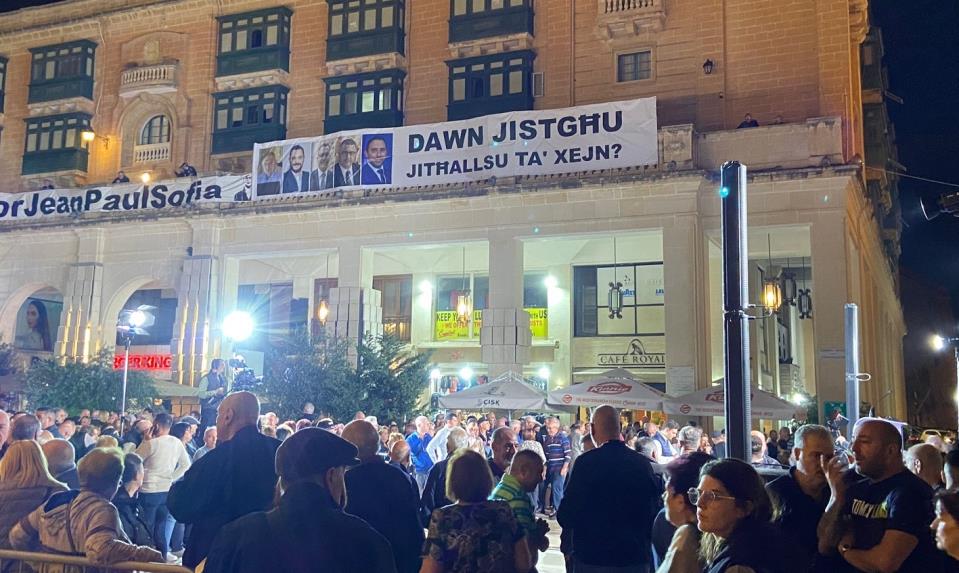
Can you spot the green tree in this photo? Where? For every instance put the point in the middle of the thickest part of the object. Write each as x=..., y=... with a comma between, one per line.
x=388, y=379
x=93, y=385
x=302, y=369
x=392, y=376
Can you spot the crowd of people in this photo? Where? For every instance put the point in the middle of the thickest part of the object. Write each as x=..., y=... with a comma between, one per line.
x=468, y=493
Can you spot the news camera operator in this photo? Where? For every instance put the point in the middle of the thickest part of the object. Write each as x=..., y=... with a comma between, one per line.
x=213, y=388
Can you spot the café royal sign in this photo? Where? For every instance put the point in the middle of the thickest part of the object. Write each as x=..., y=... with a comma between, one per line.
x=635, y=355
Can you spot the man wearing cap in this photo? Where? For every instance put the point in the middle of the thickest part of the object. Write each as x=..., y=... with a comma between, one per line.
x=308, y=531
x=384, y=497
x=231, y=480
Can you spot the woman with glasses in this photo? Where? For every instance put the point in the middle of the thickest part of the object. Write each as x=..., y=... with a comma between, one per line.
x=682, y=475
x=733, y=512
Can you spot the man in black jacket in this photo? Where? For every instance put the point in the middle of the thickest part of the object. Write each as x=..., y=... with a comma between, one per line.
x=234, y=479
x=612, y=485
x=434, y=493
x=308, y=531
x=382, y=496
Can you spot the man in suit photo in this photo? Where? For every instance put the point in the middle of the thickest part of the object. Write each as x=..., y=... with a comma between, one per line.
x=346, y=172
x=378, y=167
x=295, y=179
x=321, y=178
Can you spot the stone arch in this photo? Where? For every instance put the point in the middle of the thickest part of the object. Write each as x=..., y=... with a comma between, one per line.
x=136, y=114
x=10, y=309
x=119, y=298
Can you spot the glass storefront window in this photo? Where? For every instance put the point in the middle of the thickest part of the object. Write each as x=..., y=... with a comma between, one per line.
x=643, y=295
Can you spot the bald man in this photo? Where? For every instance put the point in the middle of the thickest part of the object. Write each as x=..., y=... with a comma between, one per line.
x=925, y=461
x=383, y=497
x=235, y=478
x=60, y=457
x=880, y=523
x=521, y=479
x=609, y=505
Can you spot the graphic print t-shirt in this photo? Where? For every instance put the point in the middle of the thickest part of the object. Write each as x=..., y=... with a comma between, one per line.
x=902, y=503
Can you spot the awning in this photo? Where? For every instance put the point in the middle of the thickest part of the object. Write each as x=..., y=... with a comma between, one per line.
x=710, y=402
x=616, y=387
x=506, y=392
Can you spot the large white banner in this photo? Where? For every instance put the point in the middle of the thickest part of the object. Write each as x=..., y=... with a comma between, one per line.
x=124, y=197
x=584, y=138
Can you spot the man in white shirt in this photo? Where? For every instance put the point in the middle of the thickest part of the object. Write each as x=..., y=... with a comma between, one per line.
x=164, y=461
x=437, y=446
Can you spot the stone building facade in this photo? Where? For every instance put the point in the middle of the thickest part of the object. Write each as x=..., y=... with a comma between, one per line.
x=161, y=82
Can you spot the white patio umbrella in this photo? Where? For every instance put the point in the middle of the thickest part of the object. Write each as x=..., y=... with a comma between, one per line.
x=505, y=392
x=616, y=387
x=710, y=402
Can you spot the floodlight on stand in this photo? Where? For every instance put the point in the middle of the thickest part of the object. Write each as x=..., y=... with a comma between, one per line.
x=130, y=323
x=238, y=325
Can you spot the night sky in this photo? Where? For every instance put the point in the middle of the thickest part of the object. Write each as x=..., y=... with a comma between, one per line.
x=922, y=54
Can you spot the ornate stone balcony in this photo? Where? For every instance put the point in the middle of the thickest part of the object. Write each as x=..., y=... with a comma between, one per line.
x=157, y=78
x=153, y=153
x=625, y=18
x=817, y=142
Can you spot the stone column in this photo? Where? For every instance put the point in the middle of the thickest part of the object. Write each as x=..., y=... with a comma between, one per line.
x=355, y=307
x=830, y=293
x=80, y=334
x=505, y=336
x=684, y=279
x=196, y=306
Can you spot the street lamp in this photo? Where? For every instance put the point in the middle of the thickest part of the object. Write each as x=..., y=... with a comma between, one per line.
x=129, y=324
x=939, y=343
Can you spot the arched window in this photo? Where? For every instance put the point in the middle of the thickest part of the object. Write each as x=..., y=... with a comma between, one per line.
x=157, y=130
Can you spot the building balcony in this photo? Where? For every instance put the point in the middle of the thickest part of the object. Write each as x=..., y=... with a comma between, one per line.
x=152, y=153
x=508, y=21
x=626, y=18
x=54, y=161
x=155, y=79
x=255, y=60
x=817, y=142
x=501, y=104
x=242, y=139
x=66, y=88
x=373, y=119
x=356, y=45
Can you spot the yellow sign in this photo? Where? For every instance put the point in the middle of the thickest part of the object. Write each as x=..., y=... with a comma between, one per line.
x=448, y=325
x=538, y=322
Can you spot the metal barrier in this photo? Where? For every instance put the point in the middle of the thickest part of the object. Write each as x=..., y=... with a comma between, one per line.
x=28, y=562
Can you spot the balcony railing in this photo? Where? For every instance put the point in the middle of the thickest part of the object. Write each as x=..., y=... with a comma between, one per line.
x=629, y=5
x=152, y=153
x=624, y=18
x=148, y=74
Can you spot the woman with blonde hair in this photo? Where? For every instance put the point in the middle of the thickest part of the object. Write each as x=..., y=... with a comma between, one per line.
x=25, y=484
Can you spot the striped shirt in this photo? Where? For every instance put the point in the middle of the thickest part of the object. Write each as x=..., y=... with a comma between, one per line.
x=557, y=449
x=509, y=490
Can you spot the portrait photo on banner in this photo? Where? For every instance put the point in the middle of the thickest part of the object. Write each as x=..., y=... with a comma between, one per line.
x=377, y=158
x=346, y=171
x=269, y=173
x=37, y=324
x=297, y=164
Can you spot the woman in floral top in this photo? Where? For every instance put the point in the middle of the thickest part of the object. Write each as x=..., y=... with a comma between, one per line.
x=473, y=535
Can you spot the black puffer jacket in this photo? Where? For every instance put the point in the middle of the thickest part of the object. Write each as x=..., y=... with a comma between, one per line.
x=131, y=520
x=756, y=545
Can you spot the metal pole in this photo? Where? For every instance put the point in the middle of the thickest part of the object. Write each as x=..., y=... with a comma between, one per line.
x=956, y=351
x=852, y=366
x=735, y=300
x=126, y=368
